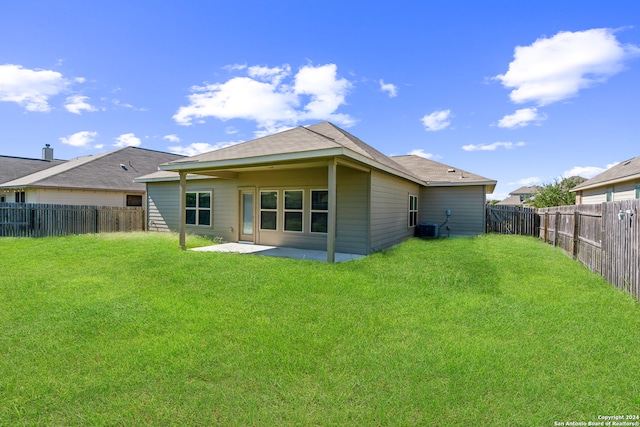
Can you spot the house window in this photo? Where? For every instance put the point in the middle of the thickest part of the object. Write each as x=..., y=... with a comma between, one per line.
x=2, y=199
x=134, y=200
x=198, y=208
x=637, y=191
x=268, y=210
x=293, y=205
x=319, y=210
x=20, y=197
x=609, y=194
x=413, y=210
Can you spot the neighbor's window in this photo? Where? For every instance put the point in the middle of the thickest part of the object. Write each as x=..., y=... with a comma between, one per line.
x=268, y=210
x=134, y=200
x=637, y=191
x=413, y=210
x=319, y=210
x=20, y=197
x=199, y=208
x=609, y=194
x=293, y=203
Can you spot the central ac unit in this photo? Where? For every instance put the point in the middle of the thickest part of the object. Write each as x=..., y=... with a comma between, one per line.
x=428, y=229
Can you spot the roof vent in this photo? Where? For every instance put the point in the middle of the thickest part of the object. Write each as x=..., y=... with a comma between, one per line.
x=451, y=170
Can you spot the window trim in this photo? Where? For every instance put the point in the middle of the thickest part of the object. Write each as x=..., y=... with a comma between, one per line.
x=312, y=211
x=638, y=191
x=198, y=209
x=609, y=194
x=285, y=210
x=261, y=209
x=412, y=220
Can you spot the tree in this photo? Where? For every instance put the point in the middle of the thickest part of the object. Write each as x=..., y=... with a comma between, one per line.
x=556, y=193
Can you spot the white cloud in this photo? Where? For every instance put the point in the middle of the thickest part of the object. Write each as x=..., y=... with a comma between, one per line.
x=127, y=140
x=172, y=138
x=521, y=118
x=30, y=88
x=76, y=104
x=437, y=120
x=199, y=148
x=586, y=171
x=80, y=139
x=557, y=68
x=492, y=147
x=420, y=152
x=390, y=88
x=313, y=93
x=532, y=180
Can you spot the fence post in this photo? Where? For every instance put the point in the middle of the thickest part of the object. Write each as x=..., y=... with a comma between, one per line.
x=576, y=233
x=557, y=226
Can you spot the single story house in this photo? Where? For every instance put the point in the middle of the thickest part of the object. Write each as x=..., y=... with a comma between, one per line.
x=12, y=168
x=518, y=196
x=620, y=182
x=104, y=179
x=315, y=187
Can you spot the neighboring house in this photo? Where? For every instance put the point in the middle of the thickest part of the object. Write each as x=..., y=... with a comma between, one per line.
x=517, y=197
x=103, y=179
x=12, y=168
x=621, y=182
x=315, y=187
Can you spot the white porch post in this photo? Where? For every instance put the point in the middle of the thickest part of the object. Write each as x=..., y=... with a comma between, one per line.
x=331, y=214
x=183, y=210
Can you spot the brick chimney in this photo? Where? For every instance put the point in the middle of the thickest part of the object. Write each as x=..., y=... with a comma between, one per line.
x=47, y=152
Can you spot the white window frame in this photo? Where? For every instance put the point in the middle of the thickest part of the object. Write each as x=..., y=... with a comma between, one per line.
x=412, y=217
x=286, y=210
x=197, y=208
x=261, y=210
x=312, y=211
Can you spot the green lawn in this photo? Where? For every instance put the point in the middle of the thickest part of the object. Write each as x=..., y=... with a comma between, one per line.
x=128, y=330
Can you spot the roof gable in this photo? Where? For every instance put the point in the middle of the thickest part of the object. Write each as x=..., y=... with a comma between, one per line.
x=627, y=170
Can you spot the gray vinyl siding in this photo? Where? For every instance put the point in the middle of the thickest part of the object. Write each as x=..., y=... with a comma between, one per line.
x=467, y=206
x=352, y=222
x=390, y=210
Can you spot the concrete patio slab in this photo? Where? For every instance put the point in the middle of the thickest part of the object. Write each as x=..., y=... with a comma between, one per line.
x=277, y=251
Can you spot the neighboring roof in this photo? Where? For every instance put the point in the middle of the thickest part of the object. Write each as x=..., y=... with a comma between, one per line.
x=114, y=170
x=624, y=171
x=524, y=190
x=16, y=167
x=511, y=201
x=316, y=141
x=439, y=174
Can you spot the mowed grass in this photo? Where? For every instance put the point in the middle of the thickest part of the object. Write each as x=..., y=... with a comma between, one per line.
x=126, y=329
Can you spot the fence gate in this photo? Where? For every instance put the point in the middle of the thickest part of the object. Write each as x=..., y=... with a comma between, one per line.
x=512, y=220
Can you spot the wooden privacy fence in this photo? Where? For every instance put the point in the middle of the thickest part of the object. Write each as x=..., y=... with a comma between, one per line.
x=604, y=237
x=36, y=220
x=512, y=220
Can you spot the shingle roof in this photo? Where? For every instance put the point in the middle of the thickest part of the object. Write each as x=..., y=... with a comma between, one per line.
x=102, y=171
x=16, y=167
x=524, y=190
x=438, y=173
x=627, y=170
x=318, y=137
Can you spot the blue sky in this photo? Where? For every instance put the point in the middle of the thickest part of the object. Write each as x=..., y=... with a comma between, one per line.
x=520, y=92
